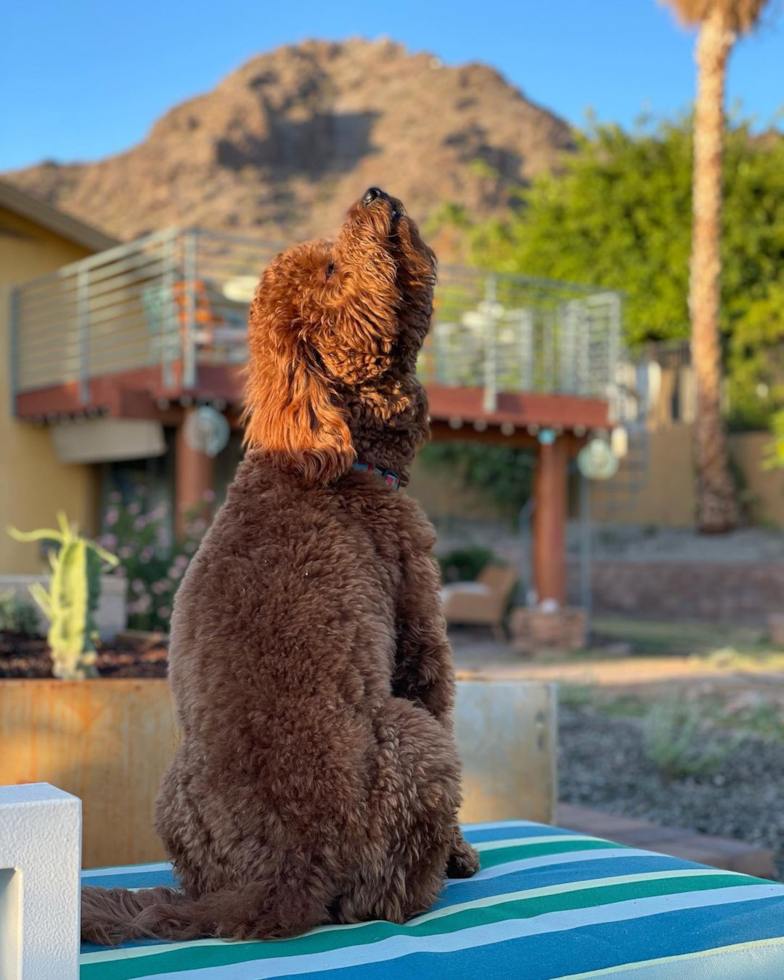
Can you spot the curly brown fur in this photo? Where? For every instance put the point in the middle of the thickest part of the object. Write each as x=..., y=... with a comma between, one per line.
x=317, y=779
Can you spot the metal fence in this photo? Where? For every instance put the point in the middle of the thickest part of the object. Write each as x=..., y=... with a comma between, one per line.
x=181, y=297
x=504, y=332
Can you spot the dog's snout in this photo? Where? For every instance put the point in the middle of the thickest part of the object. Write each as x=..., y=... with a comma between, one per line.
x=373, y=194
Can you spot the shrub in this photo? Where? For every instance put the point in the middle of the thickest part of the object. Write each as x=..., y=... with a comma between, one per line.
x=575, y=695
x=676, y=743
x=151, y=558
x=18, y=615
x=502, y=475
x=465, y=564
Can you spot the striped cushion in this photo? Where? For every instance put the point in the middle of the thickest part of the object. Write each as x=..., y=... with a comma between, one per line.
x=547, y=903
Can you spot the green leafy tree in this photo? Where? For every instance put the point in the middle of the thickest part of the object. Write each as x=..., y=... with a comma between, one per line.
x=619, y=216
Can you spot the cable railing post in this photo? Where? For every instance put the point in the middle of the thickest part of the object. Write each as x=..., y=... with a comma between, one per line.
x=190, y=266
x=613, y=352
x=83, y=322
x=490, y=398
x=169, y=341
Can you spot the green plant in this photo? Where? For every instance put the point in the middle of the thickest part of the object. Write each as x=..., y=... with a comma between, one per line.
x=72, y=599
x=618, y=214
x=18, y=615
x=503, y=476
x=676, y=743
x=465, y=564
x=575, y=695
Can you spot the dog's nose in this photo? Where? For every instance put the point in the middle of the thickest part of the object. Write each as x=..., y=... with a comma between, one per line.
x=372, y=194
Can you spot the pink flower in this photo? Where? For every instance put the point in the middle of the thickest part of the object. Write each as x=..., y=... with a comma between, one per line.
x=137, y=585
x=111, y=516
x=140, y=524
x=164, y=612
x=115, y=497
x=175, y=572
x=125, y=552
x=109, y=541
x=146, y=554
x=209, y=496
x=160, y=587
x=135, y=507
x=182, y=561
x=141, y=605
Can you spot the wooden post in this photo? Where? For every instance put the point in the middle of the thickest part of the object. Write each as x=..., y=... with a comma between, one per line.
x=195, y=472
x=549, y=531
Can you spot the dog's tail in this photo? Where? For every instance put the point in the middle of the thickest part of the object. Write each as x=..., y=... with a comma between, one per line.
x=253, y=911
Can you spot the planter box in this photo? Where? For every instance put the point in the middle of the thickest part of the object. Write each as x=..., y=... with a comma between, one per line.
x=534, y=629
x=109, y=743
x=507, y=738
x=111, y=616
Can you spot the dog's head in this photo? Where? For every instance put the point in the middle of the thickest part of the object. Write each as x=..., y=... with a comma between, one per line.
x=334, y=333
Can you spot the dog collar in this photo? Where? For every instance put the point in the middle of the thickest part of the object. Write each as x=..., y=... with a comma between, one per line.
x=391, y=479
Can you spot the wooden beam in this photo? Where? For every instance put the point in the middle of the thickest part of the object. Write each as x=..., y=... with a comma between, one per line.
x=519, y=408
x=519, y=439
x=549, y=522
x=195, y=474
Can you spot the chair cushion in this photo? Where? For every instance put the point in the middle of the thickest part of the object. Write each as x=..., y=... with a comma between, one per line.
x=465, y=588
x=547, y=903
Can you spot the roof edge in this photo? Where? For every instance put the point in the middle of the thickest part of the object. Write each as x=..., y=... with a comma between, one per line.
x=27, y=206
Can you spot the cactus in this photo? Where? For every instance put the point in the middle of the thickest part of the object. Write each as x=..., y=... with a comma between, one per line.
x=72, y=599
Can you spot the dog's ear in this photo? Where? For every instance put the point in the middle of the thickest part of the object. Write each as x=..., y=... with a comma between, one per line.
x=289, y=411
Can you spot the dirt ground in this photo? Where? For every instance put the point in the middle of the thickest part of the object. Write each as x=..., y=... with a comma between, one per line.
x=711, y=697
x=733, y=673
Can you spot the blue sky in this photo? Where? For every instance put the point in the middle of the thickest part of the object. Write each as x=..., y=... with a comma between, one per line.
x=83, y=79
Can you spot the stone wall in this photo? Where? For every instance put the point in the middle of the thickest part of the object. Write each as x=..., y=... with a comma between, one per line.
x=739, y=593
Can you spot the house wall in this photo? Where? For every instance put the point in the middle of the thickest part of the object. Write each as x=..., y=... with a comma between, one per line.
x=33, y=484
x=668, y=497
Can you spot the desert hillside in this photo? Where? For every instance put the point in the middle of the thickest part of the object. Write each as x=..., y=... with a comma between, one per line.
x=280, y=146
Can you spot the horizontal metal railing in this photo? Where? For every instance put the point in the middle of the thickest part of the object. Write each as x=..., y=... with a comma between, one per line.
x=178, y=299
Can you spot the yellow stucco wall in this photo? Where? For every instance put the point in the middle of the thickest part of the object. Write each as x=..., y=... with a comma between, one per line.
x=668, y=497
x=33, y=484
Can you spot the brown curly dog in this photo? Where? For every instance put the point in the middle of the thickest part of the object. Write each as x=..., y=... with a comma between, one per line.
x=317, y=779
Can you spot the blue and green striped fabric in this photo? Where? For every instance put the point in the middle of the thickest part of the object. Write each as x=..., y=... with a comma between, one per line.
x=547, y=903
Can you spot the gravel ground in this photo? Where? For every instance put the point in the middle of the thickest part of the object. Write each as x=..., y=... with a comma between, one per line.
x=602, y=764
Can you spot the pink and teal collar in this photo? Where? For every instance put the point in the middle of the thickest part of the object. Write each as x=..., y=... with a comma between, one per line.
x=389, y=478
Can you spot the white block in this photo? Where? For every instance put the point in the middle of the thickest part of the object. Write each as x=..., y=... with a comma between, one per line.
x=40, y=861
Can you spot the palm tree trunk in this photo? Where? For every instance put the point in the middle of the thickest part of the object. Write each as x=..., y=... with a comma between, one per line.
x=717, y=506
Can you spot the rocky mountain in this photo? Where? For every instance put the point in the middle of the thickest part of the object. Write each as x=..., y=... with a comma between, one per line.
x=282, y=145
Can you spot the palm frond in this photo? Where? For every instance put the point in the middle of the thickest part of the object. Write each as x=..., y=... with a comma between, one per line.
x=742, y=15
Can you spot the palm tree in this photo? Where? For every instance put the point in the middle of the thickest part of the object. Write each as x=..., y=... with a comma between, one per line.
x=720, y=23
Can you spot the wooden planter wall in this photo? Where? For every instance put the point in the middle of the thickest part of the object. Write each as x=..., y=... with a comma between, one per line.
x=109, y=743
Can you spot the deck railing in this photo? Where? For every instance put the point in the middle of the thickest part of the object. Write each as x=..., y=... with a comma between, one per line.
x=178, y=299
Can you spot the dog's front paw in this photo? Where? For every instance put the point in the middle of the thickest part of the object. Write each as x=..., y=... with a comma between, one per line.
x=463, y=861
